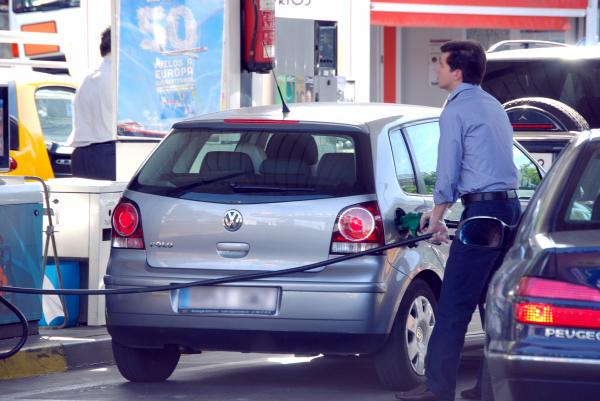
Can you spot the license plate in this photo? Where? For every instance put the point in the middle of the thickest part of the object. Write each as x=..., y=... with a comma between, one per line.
x=226, y=299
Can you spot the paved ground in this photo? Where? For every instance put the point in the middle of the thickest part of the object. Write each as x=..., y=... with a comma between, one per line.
x=219, y=376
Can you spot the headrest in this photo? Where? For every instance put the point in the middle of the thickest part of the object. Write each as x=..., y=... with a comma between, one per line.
x=337, y=167
x=293, y=146
x=257, y=154
x=284, y=167
x=226, y=161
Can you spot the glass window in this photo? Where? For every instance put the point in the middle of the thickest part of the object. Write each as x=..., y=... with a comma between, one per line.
x=27, y=6
x=573, y=82
x=529, y=175
x=584, y=206
x=238, y=167
x=424, y=140
x=55, y=111
x=402, y=163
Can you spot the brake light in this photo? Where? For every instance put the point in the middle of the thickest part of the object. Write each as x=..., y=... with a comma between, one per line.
x=127, y=226
x=15, y=50
x=12, y=164
x=544, y=288
x=549, y=314
x=357, y=228
x=532, y=127
x=558, y=316
x=257, y=121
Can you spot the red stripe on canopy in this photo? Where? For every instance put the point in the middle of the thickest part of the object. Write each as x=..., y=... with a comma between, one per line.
x=578, y=4
x=469, y=21
x=409, y=19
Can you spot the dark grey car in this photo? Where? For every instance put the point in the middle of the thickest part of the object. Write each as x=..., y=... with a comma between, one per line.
x=253, y=190
x=543, y=305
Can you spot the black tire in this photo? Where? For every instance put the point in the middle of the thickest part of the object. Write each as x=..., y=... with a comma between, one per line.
x=487, y=393
x=145, y=365
x=565, y=115
x=395, y=368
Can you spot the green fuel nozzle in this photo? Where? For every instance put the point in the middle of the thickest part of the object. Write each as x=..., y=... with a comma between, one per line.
x=408, y=222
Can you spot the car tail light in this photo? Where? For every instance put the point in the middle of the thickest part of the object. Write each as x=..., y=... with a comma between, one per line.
x=357, y=228
x=544, y=288
x=127, y=226
x=15, y=50
x=12, y=164
x=544, y=311
x=533, y=127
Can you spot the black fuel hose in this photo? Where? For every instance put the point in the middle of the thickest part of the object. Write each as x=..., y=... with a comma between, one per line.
x=170, y=287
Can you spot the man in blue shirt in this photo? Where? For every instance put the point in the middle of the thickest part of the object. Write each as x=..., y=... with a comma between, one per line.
x=475, y=164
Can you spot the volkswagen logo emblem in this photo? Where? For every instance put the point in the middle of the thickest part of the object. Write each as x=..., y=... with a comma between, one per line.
x=232, y=220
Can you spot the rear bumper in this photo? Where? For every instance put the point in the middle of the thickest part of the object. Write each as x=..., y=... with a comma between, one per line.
x=193, y=339
x=311, y=319
x=531, y=378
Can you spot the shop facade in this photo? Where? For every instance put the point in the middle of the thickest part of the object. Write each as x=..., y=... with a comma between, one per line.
x=406, y=36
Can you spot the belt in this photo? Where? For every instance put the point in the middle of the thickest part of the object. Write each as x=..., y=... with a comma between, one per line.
x=488, y=196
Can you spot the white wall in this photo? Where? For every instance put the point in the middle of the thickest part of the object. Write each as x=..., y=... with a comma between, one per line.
x=354, y=26
x=231, y=56
x=416, y=59
x=376, y=64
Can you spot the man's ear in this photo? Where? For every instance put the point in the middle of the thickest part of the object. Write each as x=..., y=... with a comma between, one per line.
x=457, y=75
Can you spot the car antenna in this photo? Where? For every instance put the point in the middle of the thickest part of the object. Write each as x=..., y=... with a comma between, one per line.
x=284, y=108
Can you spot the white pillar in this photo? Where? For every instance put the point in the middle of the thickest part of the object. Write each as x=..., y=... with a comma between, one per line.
x=591, y=23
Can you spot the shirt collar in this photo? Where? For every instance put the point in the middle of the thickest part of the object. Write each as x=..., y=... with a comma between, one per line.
x=460, y=88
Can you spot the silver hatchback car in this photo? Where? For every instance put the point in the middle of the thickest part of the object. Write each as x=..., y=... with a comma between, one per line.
x=253, y=190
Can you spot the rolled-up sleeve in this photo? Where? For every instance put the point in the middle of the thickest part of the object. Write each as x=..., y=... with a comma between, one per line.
x=450, y=151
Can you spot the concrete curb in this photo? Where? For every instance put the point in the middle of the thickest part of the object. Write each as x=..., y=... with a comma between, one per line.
x=58, y=351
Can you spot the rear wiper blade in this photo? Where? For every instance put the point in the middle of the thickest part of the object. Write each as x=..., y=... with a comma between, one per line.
x=258, y=187
x=184, y=188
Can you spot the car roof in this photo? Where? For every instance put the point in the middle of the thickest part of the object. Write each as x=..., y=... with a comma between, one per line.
x=358, y=114
x=543, y=53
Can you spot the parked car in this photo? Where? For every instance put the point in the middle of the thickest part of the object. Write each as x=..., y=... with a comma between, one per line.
x=543, y=304
x=550, y=93
x=255, y=190
x=39, y=121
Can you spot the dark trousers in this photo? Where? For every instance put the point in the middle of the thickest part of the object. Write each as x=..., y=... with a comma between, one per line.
x=96, y=161
x=466, y=277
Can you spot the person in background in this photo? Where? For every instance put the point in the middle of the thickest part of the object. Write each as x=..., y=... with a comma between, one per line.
x=475, y=164
x=92, y=135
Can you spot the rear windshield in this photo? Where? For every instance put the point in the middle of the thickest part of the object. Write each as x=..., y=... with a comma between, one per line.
x=583, y=210
x=573, y=82
x=257, y=167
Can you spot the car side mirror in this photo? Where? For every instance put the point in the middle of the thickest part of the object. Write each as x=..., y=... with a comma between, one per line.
x=484, y=231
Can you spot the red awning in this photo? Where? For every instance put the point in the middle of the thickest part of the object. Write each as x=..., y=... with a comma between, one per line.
x=499, y=14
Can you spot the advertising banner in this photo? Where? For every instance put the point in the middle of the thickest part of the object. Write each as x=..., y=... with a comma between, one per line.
x=170, y=63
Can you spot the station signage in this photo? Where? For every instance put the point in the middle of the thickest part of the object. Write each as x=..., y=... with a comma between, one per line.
x=170, y=63
x=308, y=9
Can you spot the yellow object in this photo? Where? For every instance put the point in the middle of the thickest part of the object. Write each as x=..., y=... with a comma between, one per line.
x=31, y=157
x=33, y=363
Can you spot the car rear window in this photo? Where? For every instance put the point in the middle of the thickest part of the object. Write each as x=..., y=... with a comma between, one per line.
x=573, y=82
x=583, y=210
x=257, y=167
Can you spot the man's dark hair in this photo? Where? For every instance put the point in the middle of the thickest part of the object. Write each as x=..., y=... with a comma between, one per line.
x=105, y=42
x=467, y=56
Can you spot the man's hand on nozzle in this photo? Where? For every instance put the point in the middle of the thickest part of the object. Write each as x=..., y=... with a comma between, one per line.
x=439, y=230
x=433, y=220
